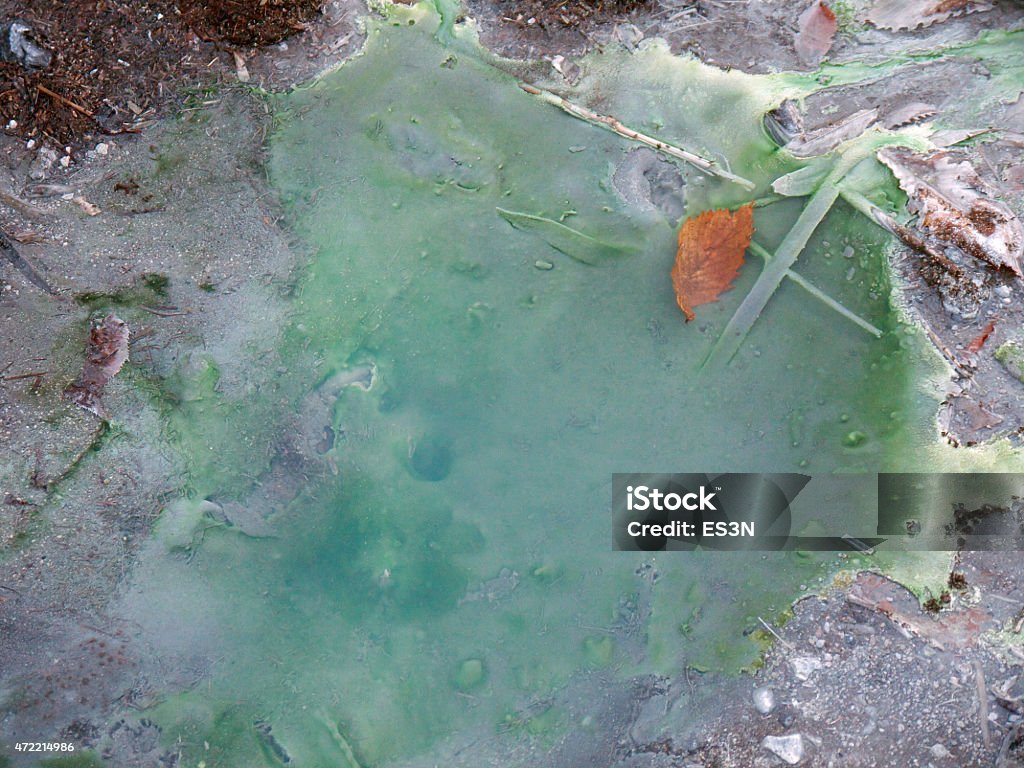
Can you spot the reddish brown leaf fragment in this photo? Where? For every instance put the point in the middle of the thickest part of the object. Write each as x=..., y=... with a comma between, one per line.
x=975, y=346
x=711, y=250
x=817, y=28
x=106, y=353
x=26, y=236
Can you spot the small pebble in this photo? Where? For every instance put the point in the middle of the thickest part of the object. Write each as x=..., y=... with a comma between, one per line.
x=804, y=666
x=939, y=752
x=764, y=700
x=545, y=265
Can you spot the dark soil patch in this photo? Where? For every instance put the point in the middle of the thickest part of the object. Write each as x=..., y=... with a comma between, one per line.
x=566, y=13
x=117, y=62
x=244, y=22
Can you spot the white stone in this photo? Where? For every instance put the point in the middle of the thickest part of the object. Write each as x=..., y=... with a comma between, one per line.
x=789, y=748
x=939, y=752
x=805, y=666
x=764, y=700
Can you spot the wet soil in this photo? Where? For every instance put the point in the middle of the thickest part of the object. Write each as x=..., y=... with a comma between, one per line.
x=250, y=24
x=752, y=35
x=116, y=65
x=867, y=678
x=79, y=495
x=889, y=683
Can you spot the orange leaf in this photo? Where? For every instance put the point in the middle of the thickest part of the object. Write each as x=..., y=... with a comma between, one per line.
x=711, y=250
x=817, y=29
x=975, y=346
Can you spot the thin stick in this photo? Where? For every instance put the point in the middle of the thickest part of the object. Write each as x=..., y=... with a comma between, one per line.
x=761, y=202
x=979, y=679
x=8, y=251
x=1004, y=599
x=1004, y=750
x=788, y=645
x=952, y=359
x=820, y=295
x=889, y=224
x=604, y=121
x=21, y=206
x=170, y=312
x=34, y=375
x=68, y=102
x=910, y=238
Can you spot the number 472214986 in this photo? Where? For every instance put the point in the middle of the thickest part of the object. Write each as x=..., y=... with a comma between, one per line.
x=44, y=746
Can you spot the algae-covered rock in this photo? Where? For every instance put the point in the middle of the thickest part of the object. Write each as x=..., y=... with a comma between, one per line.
x=182, y=520
x=1011, y=355
x=598, y=651
x=195, y=378
x=469, y=675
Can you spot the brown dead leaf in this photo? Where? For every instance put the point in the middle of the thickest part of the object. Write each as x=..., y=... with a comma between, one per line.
x=107, y=351
x=952, y=205
x=910, y=14
x=817, y=28
x=241, y=71
x=27, y=236
x=90, y=208
x=908, y=114
x=1014, y=177
x=711, y=251
x=960, y=626
x=823, y=140
x=973, y=416
x=979, y=341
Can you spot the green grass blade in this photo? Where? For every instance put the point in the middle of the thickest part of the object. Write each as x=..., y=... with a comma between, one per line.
x=569, y=241
x=819, y=294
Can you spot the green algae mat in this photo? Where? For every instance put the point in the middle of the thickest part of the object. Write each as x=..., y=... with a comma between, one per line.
x=487, y=331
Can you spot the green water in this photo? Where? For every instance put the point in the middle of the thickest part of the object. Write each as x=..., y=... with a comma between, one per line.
x=458, y=564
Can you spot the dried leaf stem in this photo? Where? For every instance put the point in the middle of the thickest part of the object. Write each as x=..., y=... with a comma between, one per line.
x=605, y=121
x=857, y=201
x=820, y=295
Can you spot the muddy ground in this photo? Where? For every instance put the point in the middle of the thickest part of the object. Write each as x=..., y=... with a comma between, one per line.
x=862, y=675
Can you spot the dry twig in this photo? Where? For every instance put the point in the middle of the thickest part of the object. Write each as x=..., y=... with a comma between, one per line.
x=67, y=102
x=604, y=121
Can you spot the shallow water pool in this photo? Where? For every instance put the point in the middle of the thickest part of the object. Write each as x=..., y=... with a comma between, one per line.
x=476, y=389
